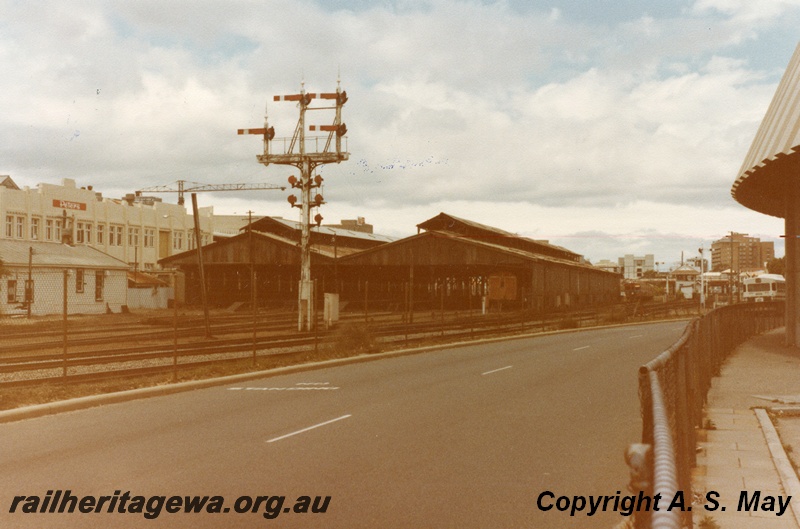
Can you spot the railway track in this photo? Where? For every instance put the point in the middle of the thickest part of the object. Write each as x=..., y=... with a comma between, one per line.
x=153, y=346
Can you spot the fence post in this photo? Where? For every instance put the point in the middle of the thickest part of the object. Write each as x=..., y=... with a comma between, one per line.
x=407, y=315
x=254, y=303
x=174, y=326
x=441, y=308
x=65, y=293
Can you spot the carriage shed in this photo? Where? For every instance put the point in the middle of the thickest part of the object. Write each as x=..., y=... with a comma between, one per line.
x=452, y=262
x=458, y=263
x=272, y=249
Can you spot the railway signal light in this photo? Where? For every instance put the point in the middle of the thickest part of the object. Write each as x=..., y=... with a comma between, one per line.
x=318, y=219
x=319, y=200
x=293, y=180
x=342, y=130
x=292, y=200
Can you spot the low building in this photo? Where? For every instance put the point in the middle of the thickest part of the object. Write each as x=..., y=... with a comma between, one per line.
x=35, y=273
x=687, y=280
x=146, y=291
x=270, y=251
x=451, y=263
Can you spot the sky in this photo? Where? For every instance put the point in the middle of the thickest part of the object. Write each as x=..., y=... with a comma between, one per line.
x=607, y=127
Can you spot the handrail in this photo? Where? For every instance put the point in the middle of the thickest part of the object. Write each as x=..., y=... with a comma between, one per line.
x=672, y=392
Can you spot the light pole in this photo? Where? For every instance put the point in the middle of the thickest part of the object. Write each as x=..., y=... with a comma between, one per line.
x=702, y=278
x=666, y=279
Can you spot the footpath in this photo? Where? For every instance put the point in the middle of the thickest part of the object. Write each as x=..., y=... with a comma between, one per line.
x=749, y=447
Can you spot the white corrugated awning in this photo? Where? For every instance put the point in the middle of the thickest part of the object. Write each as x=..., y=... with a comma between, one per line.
x=773, y=157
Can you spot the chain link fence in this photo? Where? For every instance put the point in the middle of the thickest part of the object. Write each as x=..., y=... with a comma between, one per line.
x=51, y=291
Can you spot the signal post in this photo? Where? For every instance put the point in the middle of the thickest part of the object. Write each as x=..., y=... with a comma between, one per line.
x=306, y=154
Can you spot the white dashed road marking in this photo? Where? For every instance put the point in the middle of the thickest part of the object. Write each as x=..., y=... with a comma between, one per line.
x=496, y=370
x=309, y=428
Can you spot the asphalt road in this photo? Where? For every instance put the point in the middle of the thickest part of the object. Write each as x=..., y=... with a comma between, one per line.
x=457, y=438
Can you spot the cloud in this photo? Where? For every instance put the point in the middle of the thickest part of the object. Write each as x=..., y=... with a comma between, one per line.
x=576, y=111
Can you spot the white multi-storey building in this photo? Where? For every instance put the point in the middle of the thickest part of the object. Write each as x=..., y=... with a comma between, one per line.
x=634, y=267
x=136, y=230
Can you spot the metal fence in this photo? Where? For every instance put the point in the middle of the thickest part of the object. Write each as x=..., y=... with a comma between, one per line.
x=47, y=291
x=672, y=392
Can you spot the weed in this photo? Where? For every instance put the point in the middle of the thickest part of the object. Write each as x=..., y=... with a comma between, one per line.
x=708, y=522
x=350, y=339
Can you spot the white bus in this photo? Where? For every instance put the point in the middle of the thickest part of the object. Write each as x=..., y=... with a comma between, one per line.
x=766, y=287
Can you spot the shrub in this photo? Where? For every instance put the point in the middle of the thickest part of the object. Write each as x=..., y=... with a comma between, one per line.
x=350, y=339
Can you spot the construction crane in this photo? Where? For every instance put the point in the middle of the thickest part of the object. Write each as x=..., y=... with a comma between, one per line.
x=195, y=187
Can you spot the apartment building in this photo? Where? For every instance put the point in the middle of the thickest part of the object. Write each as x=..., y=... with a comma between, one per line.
x=136, y=230
x=634, y=267
x=741, y=253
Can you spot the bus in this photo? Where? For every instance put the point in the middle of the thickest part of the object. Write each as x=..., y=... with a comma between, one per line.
x=766, y=287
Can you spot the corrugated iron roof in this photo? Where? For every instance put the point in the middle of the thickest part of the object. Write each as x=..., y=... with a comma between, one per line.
x=522, y=254
x=339, y=232
x=51, y=254
x=431, y=224
x=141, y=279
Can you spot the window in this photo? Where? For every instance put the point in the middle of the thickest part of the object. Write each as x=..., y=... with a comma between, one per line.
x=115, y=236
x=15, y=226
x=35, y=221
x=177, y=240
x=58, y=230
x=149, y=237
x=12, y=291
x=48, y=229
x=80, y=281
x=99, y=277
x=133, y=237
x=82, y=233
x=29, y=290
x=101, y=230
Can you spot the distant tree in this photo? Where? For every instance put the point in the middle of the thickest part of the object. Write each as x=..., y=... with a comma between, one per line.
x=649, y=274
x=776, y=266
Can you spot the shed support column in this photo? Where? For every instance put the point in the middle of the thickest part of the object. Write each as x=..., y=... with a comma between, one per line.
x=792, y=269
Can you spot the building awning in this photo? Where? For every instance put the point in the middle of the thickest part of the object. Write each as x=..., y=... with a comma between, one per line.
x=773, y=160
